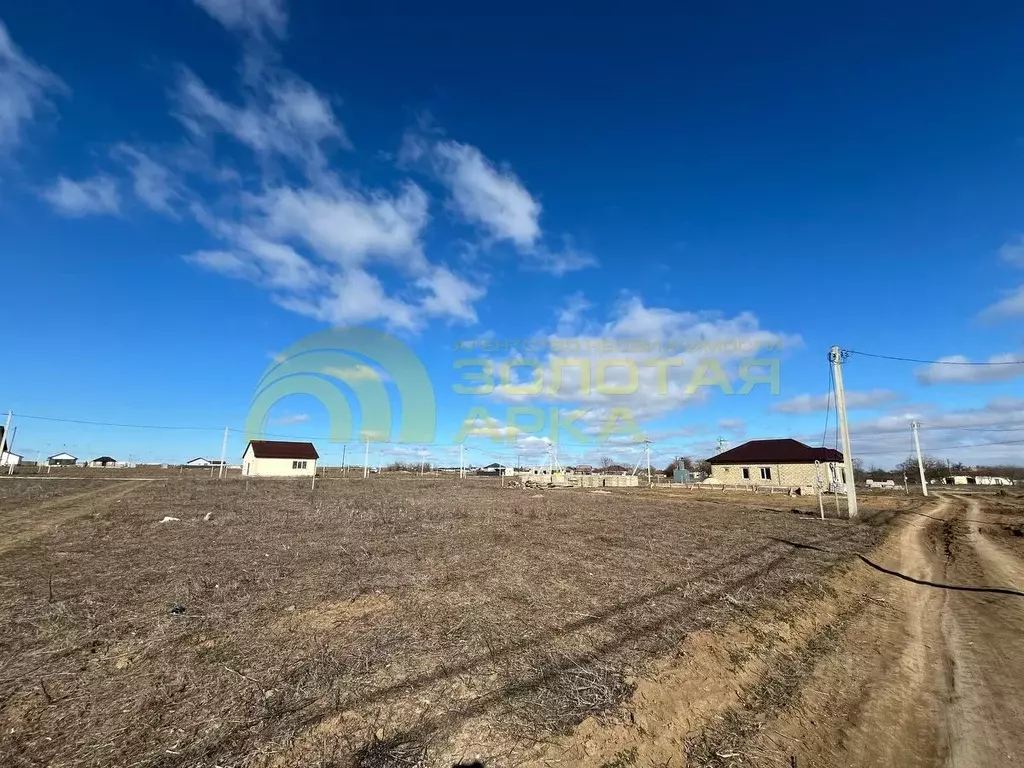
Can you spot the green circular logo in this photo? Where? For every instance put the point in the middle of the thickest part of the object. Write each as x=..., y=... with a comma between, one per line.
x=353, y=372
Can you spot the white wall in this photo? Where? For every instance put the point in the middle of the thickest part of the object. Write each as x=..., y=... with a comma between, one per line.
x=254, y=467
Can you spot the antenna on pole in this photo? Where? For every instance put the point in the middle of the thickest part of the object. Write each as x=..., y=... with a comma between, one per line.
x=721, y=444
x=838, y=356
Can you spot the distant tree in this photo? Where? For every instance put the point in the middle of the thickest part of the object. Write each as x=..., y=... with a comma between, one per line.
x=605, y=462
x=933, y=469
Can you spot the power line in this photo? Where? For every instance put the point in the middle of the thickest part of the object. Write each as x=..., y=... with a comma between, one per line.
x=113, y=424
x=932, y=449
x=935, y=362
x=828, y=404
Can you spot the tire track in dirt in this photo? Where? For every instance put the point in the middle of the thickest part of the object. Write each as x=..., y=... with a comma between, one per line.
x=28, y=522
x=935, y=679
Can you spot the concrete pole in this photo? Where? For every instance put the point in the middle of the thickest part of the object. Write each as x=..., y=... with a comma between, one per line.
x=462, y=471
x=647, y=452
x=366, y=460
x=10, y=450
x=223, y=454
x=920, y=462
x=821, y=501
x=5, y=442
x=836, y=355
x=343, y=458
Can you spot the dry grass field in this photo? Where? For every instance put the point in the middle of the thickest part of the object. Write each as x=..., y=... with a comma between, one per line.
x=397, y=621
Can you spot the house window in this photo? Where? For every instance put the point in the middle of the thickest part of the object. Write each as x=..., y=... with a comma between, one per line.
x=766, y=473
x=746, y=473
x=298, y=465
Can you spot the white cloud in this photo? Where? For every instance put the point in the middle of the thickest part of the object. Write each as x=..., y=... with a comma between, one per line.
x=1011, y=305
x=1013, y=252
x=97, y=195
x=225, y=263
x=324, y=246
x=248, y=16
x=735, y=427
x=486, y=195
x=25, y=91
x=296, y=418
x=449, y=295
x=283, y=116
x=570, y=316
x=687, y=338
x=488, y=427
x=558, y=263
x=357, y=372
x=347, y=226
x=491, y=197
x=957, y=369
x=152, y=182
x=354, y=296
x=813, y=403
x=993, y=433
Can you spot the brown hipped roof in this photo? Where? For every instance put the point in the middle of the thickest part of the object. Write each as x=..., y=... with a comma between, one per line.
x=785, y=451
x=281, y=449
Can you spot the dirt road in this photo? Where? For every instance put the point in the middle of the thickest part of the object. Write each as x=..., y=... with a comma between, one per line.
x=883, y=671
x=17, y=527
x=928, y=675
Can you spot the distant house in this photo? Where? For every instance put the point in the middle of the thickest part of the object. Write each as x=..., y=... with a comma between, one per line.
x=200, y=462
x=681, y=475
x=62, y=460
x=784, y=463
x=614, y=469
x=978, y=480
x=279, y=458
x=103, y=461
x=985, y=480
x=7, y=457
x=493, y=469
x=583, y=469
x=881, y=483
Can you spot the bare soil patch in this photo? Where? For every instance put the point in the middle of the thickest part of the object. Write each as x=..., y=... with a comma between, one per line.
x=389, y=622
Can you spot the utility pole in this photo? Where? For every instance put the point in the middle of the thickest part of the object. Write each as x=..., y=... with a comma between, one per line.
x=223, y=454
x=10, y=450
x=920, y=462
x=5, y=439
x=462, y=471
x=647, y=453
x=837, y=356
x=721, y=444
x=343, y=447
x=366, y=460
x=817, y=476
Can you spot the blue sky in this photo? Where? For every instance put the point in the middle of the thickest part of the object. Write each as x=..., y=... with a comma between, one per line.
x=187, y=188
